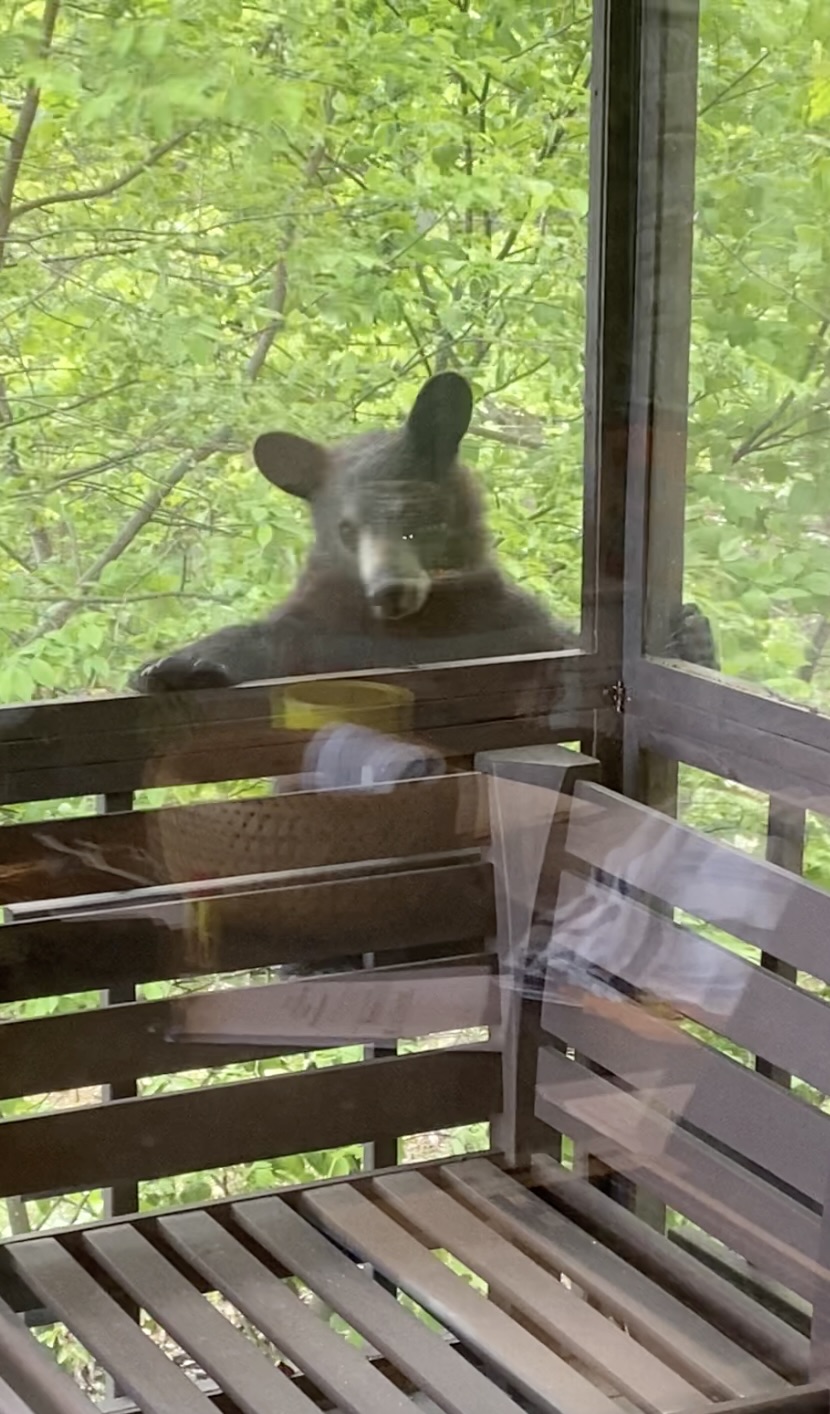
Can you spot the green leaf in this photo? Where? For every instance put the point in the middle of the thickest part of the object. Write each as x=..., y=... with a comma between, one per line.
x=576, y=200
x=802, y=498
x=755, y=602
x=817, y=582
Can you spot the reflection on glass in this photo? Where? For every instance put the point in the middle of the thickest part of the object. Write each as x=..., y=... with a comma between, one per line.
x=688, y=1058
x=758, y=502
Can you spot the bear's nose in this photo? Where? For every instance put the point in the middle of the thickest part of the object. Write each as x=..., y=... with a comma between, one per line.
x=394, y=600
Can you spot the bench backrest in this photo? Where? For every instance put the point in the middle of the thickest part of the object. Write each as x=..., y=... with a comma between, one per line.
x=665, y=1021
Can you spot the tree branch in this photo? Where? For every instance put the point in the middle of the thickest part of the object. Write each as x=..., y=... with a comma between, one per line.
x=279, y=285
x=108, y=188
x=220, y=439
x=279, y=294
x=15, y=558
x=759, y=275
x=730, y=87
x=73, y=406
x=20, y=137
x=818, y=643
x=755, y=439
x=525, y=440
x=8, y=182
x=69, y=478
x=128, y=532
x=96, y=601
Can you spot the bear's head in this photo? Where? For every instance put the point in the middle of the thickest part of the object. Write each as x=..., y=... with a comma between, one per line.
x=393, y=511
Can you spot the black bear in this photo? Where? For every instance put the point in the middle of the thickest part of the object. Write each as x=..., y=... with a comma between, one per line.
x=401, y=571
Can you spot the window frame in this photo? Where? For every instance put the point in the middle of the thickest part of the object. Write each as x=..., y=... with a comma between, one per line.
x=675, y=710
x=67, y=746
x=621, y=703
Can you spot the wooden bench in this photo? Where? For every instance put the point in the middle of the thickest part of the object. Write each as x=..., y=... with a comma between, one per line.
x=522, y=898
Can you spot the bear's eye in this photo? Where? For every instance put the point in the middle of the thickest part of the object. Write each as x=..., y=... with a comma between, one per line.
x=348, y=534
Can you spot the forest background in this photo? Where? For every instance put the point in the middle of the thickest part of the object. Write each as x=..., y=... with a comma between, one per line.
x=220, y=217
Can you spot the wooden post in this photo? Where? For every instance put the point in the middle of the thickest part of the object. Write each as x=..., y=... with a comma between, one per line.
x=609, y=336
x=786, y=828
x=530, y=794
x=657, y=447
x=122, y=1199
x=820, y=1326
x=656, y=482
x=380, y=1153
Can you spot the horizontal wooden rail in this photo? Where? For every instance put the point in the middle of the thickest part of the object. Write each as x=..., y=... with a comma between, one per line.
x=302, y=923
x=762, y=1012
x=137, y=1139
x=726, y=702
x=203, y=758
x=691, y=732
x=54, y=749
x=639, y=1141
x=699, y=1086
x=759, y=902
x=114, y=1044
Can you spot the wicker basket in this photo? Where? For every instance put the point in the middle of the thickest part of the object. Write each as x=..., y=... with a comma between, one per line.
x=310, y=829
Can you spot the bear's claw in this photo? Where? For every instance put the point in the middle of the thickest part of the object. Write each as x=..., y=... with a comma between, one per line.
x=691, y=638
x=178, y=673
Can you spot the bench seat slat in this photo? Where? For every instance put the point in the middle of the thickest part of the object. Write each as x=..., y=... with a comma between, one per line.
x=657, y=1319
x=361, y=1226
x=417, y=1351
x=38, y=1381
x=11, y=1402
x=647, y=1250
x=335, y=1366
x=238, y=1367
x=566, y=1320
x=76, y=1298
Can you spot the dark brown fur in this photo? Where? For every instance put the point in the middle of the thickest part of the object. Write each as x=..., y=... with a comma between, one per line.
x=401, y=486
x=401, y=571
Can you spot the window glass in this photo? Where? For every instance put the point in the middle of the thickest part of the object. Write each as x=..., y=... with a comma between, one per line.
x=227, y=221
x=757, y=520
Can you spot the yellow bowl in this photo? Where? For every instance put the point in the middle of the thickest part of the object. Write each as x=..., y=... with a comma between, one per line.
x=314, y=705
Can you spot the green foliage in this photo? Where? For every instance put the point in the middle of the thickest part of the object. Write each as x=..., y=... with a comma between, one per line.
x=228, y=218
x=225, y=221
x=284, y=228
x=758, y=515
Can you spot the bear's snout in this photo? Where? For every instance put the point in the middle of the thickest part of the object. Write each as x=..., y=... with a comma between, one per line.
x=394, y=581
x=397, y=599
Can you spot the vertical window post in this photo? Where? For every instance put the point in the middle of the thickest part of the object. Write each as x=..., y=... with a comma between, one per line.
x=615, y=82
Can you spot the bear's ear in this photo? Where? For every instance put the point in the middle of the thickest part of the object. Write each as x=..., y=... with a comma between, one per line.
x=292, y=463
x=439, y=418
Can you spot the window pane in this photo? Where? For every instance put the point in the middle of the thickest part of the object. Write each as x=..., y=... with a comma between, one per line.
x=225, y=223
x=757, y=501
